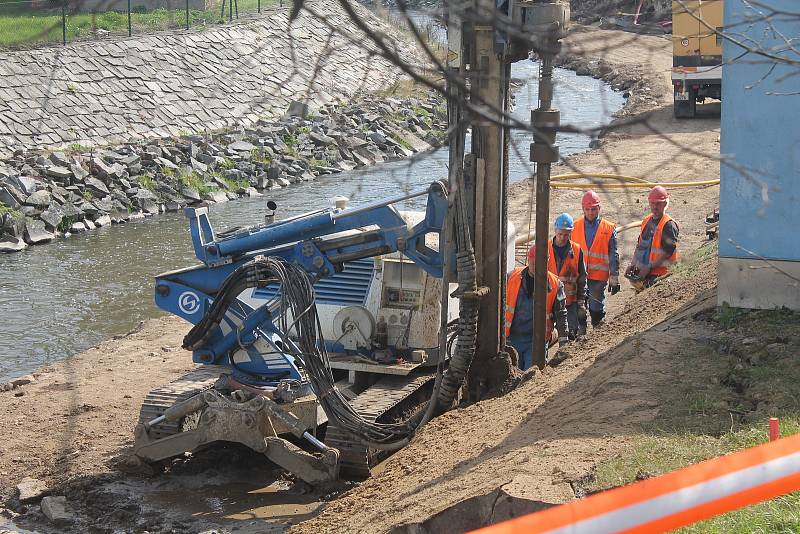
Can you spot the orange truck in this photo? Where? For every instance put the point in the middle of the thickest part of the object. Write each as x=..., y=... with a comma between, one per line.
x=696, y=53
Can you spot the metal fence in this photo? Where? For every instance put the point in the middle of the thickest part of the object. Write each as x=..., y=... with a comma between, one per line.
x=35, y=23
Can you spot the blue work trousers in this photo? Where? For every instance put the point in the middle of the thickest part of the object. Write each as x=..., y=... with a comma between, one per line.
x=572, y=317
x=597, y=295
x=523, y=344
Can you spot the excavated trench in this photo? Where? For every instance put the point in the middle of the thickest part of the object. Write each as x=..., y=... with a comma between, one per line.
x=506, y=502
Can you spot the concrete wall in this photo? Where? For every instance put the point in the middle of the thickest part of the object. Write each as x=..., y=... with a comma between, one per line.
x=760, y=192
x=120, y=90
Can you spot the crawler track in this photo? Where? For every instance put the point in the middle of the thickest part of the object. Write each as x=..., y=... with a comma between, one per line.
x=158, y=400
x=384, y=400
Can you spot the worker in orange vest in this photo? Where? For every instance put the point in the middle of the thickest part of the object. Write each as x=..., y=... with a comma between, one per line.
x=597, y=238
x=519, y=310
x=567, y=262
x=657, y=247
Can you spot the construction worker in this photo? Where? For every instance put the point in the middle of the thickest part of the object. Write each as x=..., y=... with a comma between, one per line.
x=598, y=240
x=566, y=261
x=657, y=247
x=519, y=311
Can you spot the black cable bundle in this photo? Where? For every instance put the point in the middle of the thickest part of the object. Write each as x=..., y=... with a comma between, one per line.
x=252, y=274
x=297, y=303
x=297, y=293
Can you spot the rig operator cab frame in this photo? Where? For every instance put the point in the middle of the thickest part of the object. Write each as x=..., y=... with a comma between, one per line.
x=696, y=54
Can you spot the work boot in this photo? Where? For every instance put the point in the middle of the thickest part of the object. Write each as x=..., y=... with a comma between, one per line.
x=597, y=317
x=581, y=322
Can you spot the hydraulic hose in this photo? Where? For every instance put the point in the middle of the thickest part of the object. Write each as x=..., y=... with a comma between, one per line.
x=467, y=338
x=466, y=268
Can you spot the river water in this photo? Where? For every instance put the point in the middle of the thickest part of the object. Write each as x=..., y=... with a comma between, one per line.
x=61, y=298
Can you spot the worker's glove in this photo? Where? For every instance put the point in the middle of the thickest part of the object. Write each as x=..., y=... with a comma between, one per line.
x=613, y=284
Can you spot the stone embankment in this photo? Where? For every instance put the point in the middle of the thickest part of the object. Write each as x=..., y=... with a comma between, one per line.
x=42, y=196
x=195, y=116
x=111, y=92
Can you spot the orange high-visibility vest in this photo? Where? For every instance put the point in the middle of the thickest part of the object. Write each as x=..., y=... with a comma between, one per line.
x=569, y=270
x=656, y=252
x=597, y=260
x=512, y=292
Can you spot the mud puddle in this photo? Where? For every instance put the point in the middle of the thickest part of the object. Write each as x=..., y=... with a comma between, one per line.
x=9, y=527
x=224, y=489
x=245, y=500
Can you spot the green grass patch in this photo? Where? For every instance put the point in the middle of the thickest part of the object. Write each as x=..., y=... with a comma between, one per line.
x=258, y=156
x=728, y=316
x=728, y=387
x=696, y=260
x=66, y=223
x=403, y=143
x=146, y=182
x=76, y=148
x=22, y=25
x=5, y=210
x=197, y=182
x=235, y=185
x=424, y=115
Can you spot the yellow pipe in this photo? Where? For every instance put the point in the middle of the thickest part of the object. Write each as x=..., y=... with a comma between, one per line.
x=574, y=176
x=634, y=224
x=631, y=181
x=529, y=237
x=588, y=185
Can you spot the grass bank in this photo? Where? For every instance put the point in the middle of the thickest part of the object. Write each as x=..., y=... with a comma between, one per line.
x=23, y=26
x=735, y=369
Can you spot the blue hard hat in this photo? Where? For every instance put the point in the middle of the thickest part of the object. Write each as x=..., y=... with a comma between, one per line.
x=564, y=222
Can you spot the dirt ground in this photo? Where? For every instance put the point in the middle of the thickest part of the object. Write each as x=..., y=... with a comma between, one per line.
x=549, y=432
x=72, y=425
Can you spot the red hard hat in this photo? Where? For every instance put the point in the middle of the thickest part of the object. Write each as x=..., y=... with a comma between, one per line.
x=590, y=199
x=658, y=194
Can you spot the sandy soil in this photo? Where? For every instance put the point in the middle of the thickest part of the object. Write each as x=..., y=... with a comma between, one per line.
x=70, y=427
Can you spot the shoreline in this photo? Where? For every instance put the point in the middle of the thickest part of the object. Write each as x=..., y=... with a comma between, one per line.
x=43, y=198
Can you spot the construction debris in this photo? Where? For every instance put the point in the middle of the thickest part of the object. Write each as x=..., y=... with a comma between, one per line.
x=31, y=489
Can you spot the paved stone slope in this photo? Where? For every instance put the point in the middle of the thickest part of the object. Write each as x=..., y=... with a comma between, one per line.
x=114, y=91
